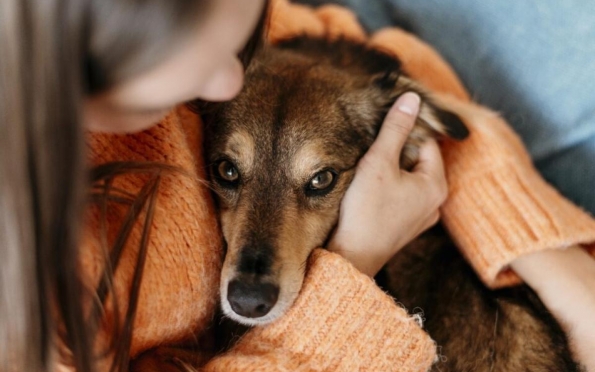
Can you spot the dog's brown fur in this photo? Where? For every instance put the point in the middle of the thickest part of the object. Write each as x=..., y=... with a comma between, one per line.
x=309, y=110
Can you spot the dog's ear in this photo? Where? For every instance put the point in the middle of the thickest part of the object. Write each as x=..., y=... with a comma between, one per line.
x=431, y=115
x=433, y=121
x=442, y=121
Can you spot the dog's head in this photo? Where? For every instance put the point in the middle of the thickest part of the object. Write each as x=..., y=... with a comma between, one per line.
x=282, y=154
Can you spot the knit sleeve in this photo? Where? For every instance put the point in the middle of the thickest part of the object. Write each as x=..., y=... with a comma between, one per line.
x=340, y=322
x=499, y=207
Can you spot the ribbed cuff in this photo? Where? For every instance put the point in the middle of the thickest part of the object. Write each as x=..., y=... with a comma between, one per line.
x=501, y=214
x=340, y=322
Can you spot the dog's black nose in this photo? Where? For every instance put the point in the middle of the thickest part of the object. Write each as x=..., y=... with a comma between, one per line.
x=252, y=300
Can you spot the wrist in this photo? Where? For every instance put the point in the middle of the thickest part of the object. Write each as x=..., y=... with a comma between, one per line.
x=368, y=264
x=564, y=280
x=555, y=271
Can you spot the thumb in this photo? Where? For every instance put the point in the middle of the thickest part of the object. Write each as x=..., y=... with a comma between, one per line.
x=396, y=127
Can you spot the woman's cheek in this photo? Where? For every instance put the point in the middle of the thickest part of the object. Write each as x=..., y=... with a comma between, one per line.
x=102, y=119
x=142, y=122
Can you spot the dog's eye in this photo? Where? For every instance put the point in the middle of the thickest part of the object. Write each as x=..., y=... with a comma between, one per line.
x=227, y=171
x=321, y=183
x=322, y=180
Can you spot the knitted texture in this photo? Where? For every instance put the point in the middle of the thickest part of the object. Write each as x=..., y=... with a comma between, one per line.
x=340, y=322
x=499, y=208
x=181, y=276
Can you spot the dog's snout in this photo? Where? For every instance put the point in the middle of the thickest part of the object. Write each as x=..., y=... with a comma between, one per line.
x=256, y=259
x=252, y=300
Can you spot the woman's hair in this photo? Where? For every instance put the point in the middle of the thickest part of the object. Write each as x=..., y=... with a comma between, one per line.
x=55, y=53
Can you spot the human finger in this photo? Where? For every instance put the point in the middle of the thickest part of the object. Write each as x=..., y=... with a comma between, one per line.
x=430, y=159
x=431, y=165
x=396, y=127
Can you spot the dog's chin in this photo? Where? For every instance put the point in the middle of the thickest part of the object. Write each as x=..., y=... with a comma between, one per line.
x=280, y=308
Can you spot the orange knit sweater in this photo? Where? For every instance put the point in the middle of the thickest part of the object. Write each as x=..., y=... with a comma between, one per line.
x=498, y=209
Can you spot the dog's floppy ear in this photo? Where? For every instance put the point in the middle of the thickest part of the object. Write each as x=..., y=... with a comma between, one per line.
x=433, y=121
x=442, y=121
x=431, y=115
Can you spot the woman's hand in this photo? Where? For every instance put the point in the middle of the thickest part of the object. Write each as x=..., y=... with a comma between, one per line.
x=564, y=280
x=386, y=207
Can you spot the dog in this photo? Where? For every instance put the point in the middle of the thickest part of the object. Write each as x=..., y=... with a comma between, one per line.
x=281, y=156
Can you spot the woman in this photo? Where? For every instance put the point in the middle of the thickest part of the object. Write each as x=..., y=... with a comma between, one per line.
x=101, y=65
x=123, y=82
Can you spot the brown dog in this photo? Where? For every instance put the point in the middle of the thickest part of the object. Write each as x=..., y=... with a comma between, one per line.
x=282, y=155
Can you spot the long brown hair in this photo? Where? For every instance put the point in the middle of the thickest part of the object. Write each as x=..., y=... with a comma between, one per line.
x=54, y=54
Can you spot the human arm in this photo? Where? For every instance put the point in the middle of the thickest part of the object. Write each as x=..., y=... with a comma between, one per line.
x=501, y=212
x=341, y=321
x=565, y=281
x=500, y=209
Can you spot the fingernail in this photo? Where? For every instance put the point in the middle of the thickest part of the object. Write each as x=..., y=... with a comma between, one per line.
x=408, y=103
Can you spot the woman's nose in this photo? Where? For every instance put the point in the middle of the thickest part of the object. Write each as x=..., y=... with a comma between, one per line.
x=225, y=83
